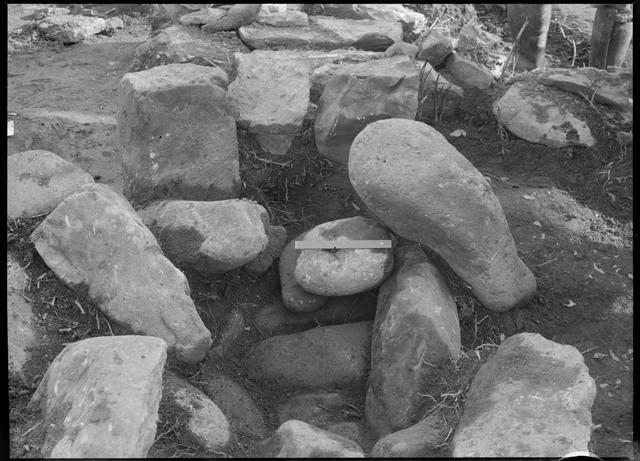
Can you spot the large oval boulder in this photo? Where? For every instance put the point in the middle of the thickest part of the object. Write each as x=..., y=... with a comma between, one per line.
x=366, y=92
x=95, y=242
x=416, y=330
x=100, y=398
x=208, y=237
x=422, y=188
x=531, y=399
x=344, y=271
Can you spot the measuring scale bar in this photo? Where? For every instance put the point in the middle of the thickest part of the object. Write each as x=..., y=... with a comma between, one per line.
x=341, y=244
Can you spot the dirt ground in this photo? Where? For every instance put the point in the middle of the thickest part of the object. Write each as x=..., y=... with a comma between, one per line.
x=570, y=212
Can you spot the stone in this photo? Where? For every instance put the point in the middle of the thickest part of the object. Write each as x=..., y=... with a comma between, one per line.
x=202, y=16
x=38, y=180
x=395, y=12
x=297, y=439
x=340, y=10
x=416, y=330
x=177, y=135
x=68, y=29
x=402, y=49
x=208, y=237
x=282, y=15
x=294, y=297
x=417, y=441
x=321, y=409
x=22, y=332
x=435, y=48
x=472, y=37
x=541, y=118
x=532, y=398
x=277, y=239
x=342, y=309
x=207, y=425
x=271, y=93
x=236, y=404
x=238, y=15
x=424, y=190
x=385, y=88
x=321, y=358
x=614, y=89
x=96, y=244
x=183, y=44
x=467, y=72
x=352, y=430
x=100, y=398
x=442, y=96
x=225, y=336
x=113, y=23
x=324, y=32
x=345, y=271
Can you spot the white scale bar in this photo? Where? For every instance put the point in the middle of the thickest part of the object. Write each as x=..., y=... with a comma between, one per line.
x=340, y=244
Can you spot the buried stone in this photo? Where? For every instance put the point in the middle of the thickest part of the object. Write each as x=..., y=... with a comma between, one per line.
x=426, y=191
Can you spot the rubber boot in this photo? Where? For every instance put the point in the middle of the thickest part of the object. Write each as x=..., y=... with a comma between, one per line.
x=611, y=35
x=533, y=41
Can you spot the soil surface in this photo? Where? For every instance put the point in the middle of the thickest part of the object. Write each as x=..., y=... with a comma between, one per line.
x=570, y=212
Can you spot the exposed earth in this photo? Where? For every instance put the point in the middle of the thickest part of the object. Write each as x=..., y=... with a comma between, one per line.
x=570, y=211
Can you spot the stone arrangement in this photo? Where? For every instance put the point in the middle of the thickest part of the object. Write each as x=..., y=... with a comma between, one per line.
x=181, y=211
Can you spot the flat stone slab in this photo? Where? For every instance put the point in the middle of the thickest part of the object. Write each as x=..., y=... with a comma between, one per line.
x=95, y=243
x=21, y=325
x=69, y=28
x=208, y=237
x=609, y=88
x=38, y=180
x=282, y=15
x=531, y=399
x=100, y=398
x=297, y=439
x=321, y=358
x=539, y=117
x=345, y=271
x=324, y=32
x=207, y=425
x=179, y=44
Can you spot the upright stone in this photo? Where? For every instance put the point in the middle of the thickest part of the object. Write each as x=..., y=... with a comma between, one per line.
x=100, y=398
x=95, y=243
x=426, y=191
x=177, y=134
x=367, y=92
x=531, y=399
x=416, y=329
x=271, y=93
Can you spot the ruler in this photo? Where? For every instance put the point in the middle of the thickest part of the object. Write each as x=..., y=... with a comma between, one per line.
x=341, y=244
